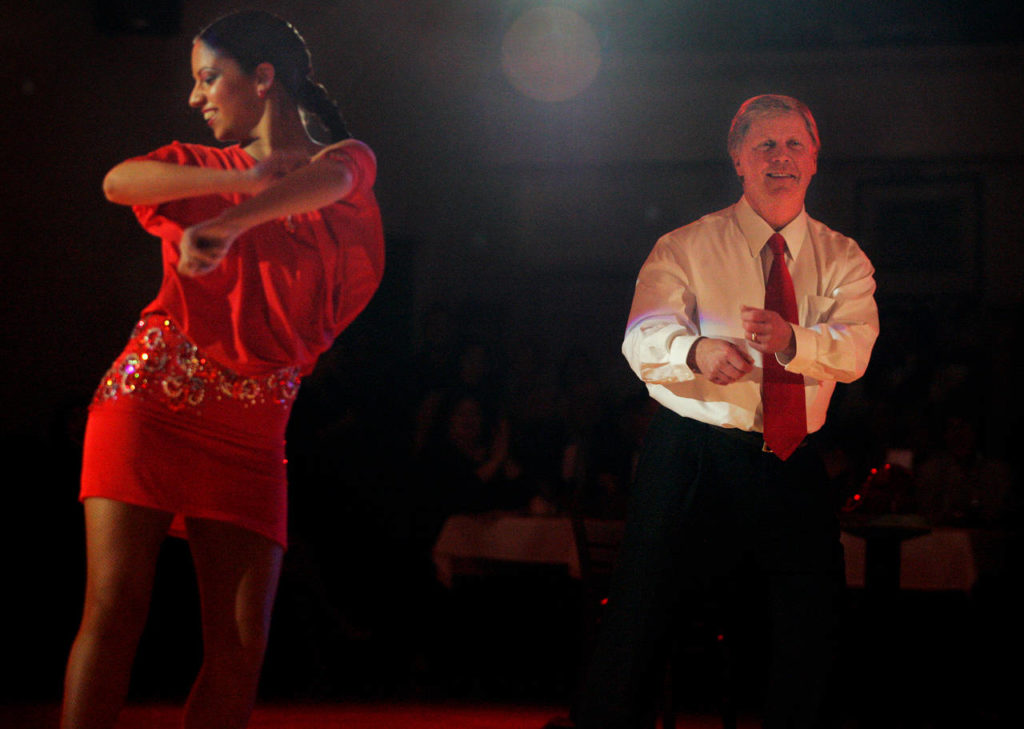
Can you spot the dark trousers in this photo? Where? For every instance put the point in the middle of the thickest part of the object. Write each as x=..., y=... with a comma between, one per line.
x=704, y=502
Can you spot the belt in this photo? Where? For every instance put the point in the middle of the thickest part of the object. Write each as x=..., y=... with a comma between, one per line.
x=751, y=437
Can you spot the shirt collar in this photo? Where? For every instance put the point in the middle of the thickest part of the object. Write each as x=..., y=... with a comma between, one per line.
x=757, y=232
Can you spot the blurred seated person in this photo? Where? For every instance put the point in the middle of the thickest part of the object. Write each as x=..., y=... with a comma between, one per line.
x=464, y=464
x=959, y=485
x=602, y=469
x=472, y=373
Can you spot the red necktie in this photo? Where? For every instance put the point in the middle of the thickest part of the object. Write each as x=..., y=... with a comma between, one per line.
x=782, y=392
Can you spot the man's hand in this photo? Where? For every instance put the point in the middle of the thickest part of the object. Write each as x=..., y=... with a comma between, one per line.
x=768, y=332
x=203, y=247
x=720, y=361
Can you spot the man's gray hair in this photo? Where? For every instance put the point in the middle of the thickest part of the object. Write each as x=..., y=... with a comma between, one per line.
x=768, y=105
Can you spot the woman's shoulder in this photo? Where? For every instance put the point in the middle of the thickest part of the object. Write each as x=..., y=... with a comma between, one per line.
x=353, y=147
x=357, y=156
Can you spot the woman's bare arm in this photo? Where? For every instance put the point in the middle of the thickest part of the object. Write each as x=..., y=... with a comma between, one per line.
x=148, y=182
x=325, y=180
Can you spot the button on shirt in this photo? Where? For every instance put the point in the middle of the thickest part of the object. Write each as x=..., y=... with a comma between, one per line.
x=695, y=282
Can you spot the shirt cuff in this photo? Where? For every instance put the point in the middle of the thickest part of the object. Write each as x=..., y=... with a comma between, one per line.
x=805, y=350
x=679, y=354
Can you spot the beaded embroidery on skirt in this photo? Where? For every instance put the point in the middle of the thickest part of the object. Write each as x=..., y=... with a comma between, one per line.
x=160, y=363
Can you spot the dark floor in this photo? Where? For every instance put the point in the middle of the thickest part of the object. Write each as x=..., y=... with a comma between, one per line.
x=342, y=716
x=920, y=661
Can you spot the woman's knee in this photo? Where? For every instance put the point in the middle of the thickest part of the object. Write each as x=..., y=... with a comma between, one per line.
x=115, y=611
x=237, y=644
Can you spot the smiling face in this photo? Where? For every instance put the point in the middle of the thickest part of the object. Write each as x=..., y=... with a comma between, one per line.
x=228, y=97
x=776, y=160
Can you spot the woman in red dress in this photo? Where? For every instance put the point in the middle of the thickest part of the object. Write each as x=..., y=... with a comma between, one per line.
x=270, y=248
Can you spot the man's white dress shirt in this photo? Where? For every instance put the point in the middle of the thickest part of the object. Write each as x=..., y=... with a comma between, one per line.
x=696, y=279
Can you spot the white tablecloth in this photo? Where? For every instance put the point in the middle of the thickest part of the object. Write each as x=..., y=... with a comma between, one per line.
x=469, y=541
x=944, y=559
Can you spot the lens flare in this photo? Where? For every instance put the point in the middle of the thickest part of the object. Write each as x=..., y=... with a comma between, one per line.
x=550, y=53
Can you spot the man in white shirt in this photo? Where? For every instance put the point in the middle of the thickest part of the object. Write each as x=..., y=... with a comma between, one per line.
x=710, y=495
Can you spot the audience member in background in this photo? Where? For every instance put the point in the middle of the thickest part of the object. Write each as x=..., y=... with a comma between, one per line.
x=959, y=485
x=464, y=465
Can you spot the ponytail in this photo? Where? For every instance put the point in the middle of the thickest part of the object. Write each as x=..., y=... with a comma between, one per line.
x=313, y=97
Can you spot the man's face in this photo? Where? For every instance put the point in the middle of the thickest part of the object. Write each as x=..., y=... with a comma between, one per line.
x=776, y=161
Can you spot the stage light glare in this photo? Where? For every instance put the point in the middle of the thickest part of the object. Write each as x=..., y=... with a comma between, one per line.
x=550, y=53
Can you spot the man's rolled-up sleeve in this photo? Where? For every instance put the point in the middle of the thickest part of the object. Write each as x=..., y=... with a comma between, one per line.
x=661, y=328
x=837, y=346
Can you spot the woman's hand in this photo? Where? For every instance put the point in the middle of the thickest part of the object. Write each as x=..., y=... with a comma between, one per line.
x=203, y=246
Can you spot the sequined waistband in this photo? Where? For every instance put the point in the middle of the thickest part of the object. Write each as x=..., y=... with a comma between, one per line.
x=161, y=363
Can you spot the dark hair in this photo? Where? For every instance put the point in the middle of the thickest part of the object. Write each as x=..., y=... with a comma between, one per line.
x=767, y=105
x=252, y=37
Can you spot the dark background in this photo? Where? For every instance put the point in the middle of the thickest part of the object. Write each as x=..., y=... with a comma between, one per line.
x=523, y=221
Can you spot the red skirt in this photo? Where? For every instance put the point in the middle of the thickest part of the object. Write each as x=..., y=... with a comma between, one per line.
x=170, y=429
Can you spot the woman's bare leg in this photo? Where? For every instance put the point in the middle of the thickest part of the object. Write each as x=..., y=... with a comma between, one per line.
x=238, y=572
x=122, y=545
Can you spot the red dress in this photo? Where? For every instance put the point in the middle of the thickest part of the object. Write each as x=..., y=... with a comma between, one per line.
x=191, y=417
